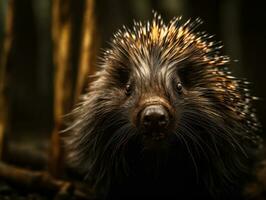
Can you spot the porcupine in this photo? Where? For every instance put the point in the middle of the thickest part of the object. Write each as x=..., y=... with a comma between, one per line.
x=164, y=118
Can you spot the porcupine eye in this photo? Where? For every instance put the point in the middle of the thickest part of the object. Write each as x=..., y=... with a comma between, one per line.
x=128, y=89
x=179, y=87
x=188, y=75
x=124, y=81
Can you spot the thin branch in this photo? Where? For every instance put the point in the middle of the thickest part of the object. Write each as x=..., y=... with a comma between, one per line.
x=43, y=182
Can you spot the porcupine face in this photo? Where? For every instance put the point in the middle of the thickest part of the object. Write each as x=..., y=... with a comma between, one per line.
x=162, y=85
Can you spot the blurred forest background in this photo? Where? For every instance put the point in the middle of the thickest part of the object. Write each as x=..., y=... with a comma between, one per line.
x=48, y=48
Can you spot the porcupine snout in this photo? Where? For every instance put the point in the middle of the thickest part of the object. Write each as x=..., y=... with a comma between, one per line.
x=154, y=119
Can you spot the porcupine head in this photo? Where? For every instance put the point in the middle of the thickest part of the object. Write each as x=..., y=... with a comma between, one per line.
x=163, y=107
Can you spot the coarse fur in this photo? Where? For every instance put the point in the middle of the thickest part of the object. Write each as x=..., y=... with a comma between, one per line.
x=212, y=138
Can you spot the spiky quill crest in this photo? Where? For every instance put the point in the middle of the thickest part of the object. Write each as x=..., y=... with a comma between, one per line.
x=215, y=100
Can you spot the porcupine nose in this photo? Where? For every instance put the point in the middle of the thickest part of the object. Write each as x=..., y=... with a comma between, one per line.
x=154, y=117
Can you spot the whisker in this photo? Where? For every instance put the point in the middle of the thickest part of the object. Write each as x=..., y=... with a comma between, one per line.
x=190, y=154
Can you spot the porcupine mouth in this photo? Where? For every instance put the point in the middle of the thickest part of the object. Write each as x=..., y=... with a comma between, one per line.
x=155, y=143
x=154, y=135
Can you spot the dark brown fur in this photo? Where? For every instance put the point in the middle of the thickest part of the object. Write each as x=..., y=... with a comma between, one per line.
x=211, y=138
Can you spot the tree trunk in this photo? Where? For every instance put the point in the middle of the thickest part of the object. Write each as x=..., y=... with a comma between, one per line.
x=4, y=54
x=61, y=34
x=72, y=29
x=88, y=48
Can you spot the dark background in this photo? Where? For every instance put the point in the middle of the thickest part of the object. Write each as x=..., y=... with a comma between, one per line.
x=240, y=25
